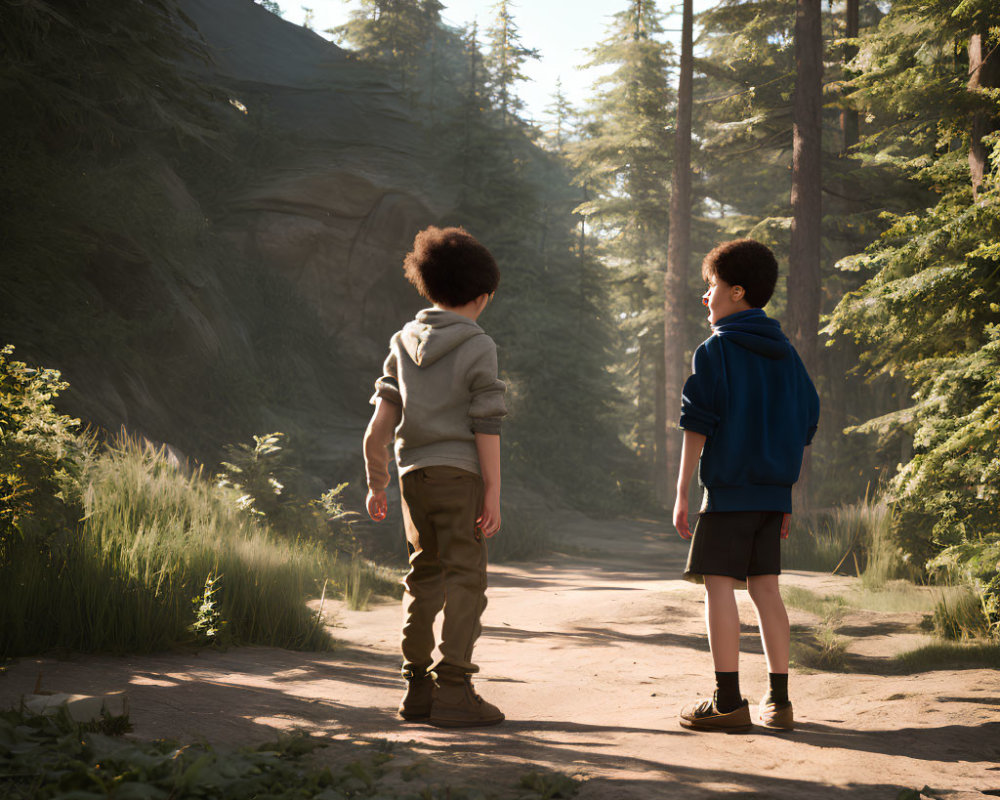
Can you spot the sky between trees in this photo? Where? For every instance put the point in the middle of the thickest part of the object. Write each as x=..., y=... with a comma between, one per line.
x=561, y=30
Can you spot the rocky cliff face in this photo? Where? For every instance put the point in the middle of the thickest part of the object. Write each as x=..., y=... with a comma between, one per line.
x=197, y=295
x=336, y=215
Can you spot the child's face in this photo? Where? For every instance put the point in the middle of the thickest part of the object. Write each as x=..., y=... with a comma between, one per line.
x=723, y=299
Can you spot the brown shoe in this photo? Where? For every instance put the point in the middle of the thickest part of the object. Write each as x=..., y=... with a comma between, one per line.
x=777, y=716
x=705, y=716
x=456, y=705
x=416, y=703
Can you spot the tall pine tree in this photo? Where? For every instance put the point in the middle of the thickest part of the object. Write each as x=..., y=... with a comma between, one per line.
x=624, y=159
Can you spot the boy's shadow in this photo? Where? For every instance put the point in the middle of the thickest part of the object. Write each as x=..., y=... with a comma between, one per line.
x=949, y=743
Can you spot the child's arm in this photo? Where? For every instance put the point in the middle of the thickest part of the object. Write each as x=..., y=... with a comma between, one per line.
x=690, y=453
x=378, y=437
x=488, y=446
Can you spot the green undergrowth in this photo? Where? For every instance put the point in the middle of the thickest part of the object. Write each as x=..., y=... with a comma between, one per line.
x=54, y=758
x=854, y=539
x=820, y=647
x=119, y=547
x=950, y=655
x=152, y=541
x=863, y=540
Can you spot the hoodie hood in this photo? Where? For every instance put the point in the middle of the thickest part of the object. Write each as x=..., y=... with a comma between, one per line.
x=435, y=333
x=756, y=332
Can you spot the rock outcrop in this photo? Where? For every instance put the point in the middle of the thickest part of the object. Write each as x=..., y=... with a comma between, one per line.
x=337, y=215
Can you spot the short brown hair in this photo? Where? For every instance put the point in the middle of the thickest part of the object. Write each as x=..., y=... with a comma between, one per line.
x=746, y=263
x=450, y=267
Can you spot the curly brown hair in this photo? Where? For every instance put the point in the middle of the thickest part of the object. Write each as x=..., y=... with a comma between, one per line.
x=450, y=267
x=746, y=263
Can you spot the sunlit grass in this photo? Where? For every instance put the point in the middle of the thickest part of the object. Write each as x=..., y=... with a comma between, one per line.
x=950, y=655
x=825, y=607
x=853, y=539
x=125, y=578
x=820, y=649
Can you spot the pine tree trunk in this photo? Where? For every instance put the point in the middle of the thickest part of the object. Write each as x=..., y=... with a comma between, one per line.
x=804, y=256
x=984, y=73
x=678, y=256
x=849, y=117
x=660, y=431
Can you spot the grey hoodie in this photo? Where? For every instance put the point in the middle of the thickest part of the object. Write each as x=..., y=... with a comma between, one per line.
x=442, y=369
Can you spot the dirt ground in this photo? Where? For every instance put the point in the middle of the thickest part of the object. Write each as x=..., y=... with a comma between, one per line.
x=590, y=655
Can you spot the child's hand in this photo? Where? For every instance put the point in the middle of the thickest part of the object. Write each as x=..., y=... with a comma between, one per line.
x=681, y=516
x=377, y=503
x=489, y=517
x=786, y=525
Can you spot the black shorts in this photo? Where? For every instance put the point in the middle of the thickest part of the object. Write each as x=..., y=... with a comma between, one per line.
x=735, y=543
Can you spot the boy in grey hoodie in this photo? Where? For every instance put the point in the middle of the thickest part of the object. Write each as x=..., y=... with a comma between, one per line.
x=440, y=399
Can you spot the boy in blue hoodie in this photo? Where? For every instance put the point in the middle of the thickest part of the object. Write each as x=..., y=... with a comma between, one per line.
x=748, y=410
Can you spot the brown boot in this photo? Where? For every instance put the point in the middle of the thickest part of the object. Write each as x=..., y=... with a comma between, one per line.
x=416, y=703
x=456, y=705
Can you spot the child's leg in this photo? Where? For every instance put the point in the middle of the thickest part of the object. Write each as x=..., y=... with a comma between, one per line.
x=463, y=561
x=722, y=618
x=775, y=709
x=423, y=592
x=773, y=619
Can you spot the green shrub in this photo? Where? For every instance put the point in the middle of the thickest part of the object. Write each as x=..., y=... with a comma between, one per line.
x=150, y=539
x=976, y=565
x=268, y=486
x=40, y=453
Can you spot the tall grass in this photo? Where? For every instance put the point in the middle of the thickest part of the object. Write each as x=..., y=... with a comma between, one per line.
x=855, y=538
x=150, y=538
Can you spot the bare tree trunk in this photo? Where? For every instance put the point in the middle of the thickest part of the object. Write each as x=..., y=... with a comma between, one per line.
x=984, y=73
x=804, y=256
x=678, y=256
x=848, y=116
x=660, y=431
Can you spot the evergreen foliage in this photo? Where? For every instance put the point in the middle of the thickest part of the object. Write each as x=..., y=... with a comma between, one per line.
x=548, y=318
x=505, y=60
x=623, y=161
x=929, y=309
x=399, y=33
x=743, y=119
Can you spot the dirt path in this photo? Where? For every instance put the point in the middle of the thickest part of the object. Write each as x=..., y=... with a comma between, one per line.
x=590, y=655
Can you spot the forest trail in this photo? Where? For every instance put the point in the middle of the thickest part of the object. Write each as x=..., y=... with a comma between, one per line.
x=590, y=654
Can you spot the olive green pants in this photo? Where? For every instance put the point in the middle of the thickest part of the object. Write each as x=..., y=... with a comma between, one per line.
x=447, y=570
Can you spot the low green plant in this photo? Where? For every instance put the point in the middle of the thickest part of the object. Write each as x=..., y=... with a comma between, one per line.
x=961, y=617
x=357, y=593
x=269, y=487
x=208, y=622
x=976, y=566
x=51, y=757
x=819, y=649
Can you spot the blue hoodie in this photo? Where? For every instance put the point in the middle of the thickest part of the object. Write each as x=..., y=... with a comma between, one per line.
x=751, y=396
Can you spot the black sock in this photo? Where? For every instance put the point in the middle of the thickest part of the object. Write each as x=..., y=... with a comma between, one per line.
x=727, y=692
x=779, y=686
